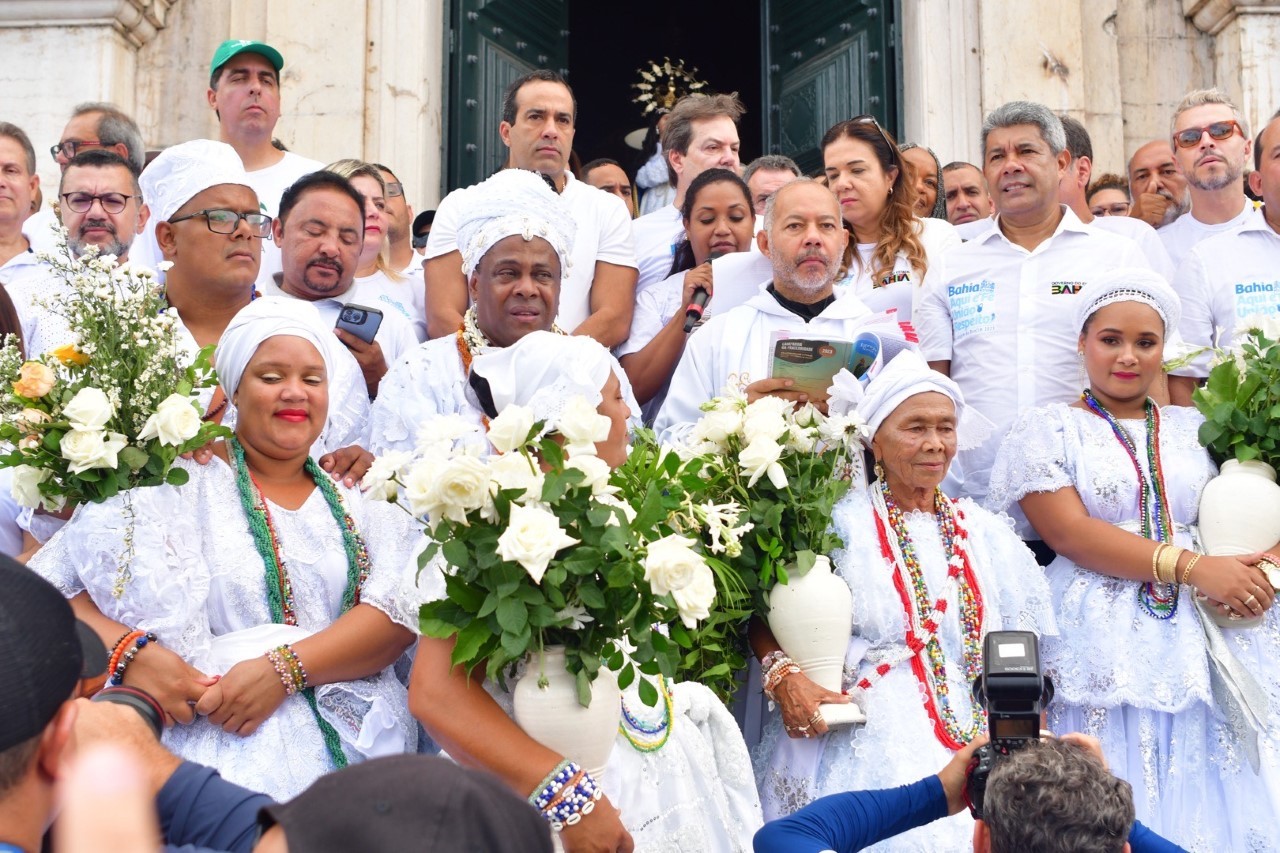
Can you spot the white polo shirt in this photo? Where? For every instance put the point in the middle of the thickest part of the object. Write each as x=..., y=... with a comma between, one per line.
x=656, y=236
x=1144, y=235
x=1005, y=319
x=604, y=234
x=1225, y=280
x=1180, y=235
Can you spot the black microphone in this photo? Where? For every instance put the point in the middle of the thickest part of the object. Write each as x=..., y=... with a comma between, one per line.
x=698, y=304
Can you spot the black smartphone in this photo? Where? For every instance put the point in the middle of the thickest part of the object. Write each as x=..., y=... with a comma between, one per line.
x=359, y=320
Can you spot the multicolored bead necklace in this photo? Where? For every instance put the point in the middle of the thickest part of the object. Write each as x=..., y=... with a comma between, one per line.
x=924, y=618
x=658, y=732
x=1159, y=601
x=280, y=600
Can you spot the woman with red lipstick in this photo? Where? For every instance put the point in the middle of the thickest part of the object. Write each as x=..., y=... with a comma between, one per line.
x=718, y=220
x=279, y=586
x=891, y=246
x=1112, y=483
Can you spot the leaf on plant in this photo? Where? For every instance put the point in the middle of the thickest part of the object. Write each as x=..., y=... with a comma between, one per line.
x=648, y=693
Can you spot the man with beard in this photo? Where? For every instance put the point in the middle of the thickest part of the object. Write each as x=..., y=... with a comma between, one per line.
x=1158, y=189
x=804, y=238
x=1211, y=146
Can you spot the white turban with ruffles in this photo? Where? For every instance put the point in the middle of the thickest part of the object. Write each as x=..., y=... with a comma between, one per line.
x=181, y=172
x=1130, y=284
x=269, y=317
x=513, y=201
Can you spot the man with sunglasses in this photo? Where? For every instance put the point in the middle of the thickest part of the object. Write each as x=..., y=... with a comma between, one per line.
x=1211, y=145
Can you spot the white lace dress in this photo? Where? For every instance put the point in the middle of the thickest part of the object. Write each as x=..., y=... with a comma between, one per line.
x=197, y=581
x=897, y=745
x=1139, y=684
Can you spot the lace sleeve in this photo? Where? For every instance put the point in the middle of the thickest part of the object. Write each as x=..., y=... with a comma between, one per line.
x=392, y=538
x=1011, y=578
x=1032, y=458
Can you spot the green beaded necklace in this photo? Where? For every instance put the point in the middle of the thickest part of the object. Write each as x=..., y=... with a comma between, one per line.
x=279, y=589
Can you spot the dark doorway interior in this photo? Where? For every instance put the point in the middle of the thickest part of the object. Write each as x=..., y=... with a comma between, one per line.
x=608, y=42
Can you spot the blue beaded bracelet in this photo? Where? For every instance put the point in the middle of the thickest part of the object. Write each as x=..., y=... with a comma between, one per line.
x=117, y=677
x=556, y=779
x=575, y=804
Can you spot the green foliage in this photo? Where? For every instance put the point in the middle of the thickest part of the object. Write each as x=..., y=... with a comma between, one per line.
x=1240, y=402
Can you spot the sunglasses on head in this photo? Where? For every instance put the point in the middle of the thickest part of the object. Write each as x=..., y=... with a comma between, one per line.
x=1190, y=137
x=867, y=118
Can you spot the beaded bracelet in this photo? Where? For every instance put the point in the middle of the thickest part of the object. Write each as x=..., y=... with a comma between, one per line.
x=291, y=671
x=574, y=803
x=137, y=640
x=770, y=660
x=560, y=776
x=780, y=670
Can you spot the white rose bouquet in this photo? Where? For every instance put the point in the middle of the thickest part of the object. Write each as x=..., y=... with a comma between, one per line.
x=111, y=411
x=540, y=548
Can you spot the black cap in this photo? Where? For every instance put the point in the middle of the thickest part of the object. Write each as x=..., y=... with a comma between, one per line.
x=423, y=221
x=44, y=652
x=409, y=802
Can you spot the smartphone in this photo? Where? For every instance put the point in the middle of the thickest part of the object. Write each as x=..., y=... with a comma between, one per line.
x=359, y=320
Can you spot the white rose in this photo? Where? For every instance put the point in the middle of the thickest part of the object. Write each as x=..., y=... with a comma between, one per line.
x=516, y=471
x=670, y=564
x=694, y=600
x=510, y=429
x=26, y=484
x=85, y=449
x=759, y=458
x=175, y=421
x=462, y=486
x=89, y=409
x=581, y=425
x=765, y=418
x=596, y=473
x=419, y=482
x=378, y=482
x=716, y=426
x=443, y=429
x=532, y=538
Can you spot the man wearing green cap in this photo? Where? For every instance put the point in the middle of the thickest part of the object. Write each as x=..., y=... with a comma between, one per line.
x=244, y=92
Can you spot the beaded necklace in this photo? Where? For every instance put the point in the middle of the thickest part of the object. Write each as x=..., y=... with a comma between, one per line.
x=924, y=619
x=659, y=732
x=1159, y=601
x=280, y=600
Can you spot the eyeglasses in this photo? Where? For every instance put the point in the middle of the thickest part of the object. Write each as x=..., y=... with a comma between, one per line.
x=1190, y=137
x=867, y=118
x=395, y=189
x=1120, y=208
x=222, y=221
x=111, y=202
x=69, y=148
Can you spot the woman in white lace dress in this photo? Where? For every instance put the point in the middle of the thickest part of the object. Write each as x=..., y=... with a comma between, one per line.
x=908, y=549
x=1137, y=663
x=273, y=596
x=680, y=779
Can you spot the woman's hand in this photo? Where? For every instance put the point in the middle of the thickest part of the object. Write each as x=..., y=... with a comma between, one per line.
x=170, y=680
x=349, y=464
x=799, y=699
x=599, y=832
x=250, y=692
x=698, y=278
x=1235, y=582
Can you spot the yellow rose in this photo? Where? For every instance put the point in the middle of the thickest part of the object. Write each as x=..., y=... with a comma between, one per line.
x=69, y=355
x=34, y=380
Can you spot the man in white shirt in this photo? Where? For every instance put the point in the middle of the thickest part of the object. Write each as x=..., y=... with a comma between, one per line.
x=1071, y=192
x=1211, y=145
x=967, y=197
x=538, y=118
x=403, y=257
x=701, y=133
x=998, y=316
x=320, y=231
x=18, y=185
x=244, y=92
x=1230, y=278
x=1156, y=185
x=805, y=239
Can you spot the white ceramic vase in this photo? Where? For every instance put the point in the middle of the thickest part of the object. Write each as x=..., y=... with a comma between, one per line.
x=811, y=617
x=546, y=707
x=1240, y=514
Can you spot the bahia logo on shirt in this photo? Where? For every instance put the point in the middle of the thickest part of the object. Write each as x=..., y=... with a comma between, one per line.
x=973, y=307
x=1065, y=288
x=892, y=278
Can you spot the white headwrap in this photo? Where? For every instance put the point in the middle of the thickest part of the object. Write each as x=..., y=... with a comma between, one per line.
x=1131, y=284
x=545, y=370
x=269, y=317
x=179, y=173
x=512, y=202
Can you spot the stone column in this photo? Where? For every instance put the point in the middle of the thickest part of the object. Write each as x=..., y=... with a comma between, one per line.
x=1246, y=37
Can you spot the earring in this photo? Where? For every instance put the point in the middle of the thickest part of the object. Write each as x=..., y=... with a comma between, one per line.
x=1084, y=379
x=878, y=469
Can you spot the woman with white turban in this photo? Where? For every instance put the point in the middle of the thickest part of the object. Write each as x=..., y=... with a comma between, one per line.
x=918, y=627
x=261, y=603
x=679, y=776
x=1186, y=711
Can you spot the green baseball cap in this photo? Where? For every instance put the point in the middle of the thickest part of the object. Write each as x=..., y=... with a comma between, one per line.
x=231, y=47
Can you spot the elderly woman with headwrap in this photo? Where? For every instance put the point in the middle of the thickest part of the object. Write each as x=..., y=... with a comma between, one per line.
x=261, y=603
x=679, y=776
x=1112, y=482
x=918, y=626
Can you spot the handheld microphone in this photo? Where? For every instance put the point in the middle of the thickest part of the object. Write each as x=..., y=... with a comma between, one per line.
x=866, y=352
x=698, y=304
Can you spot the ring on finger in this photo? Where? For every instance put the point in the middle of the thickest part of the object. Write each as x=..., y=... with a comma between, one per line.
x=1250, y=601
x=816, y=718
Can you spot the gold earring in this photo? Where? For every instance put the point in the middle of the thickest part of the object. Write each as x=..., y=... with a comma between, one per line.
x=879, y=471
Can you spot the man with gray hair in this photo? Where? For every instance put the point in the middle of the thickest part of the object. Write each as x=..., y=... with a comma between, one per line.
x=997, y=316
x=1211, y=145
x=764, y=175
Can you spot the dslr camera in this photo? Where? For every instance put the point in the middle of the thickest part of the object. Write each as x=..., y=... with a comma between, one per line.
x=1014, y=691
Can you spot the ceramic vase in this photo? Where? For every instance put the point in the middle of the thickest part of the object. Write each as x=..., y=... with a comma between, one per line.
x=1240, y=514
x=546, y=707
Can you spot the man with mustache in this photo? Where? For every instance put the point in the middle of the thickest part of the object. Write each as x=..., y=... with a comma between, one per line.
x=1211, y=146
x=1158, y=189
x=320, y=231
x=804, y=238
